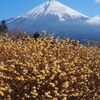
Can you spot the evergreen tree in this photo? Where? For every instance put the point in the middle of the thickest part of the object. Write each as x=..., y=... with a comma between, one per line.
x=3, y=27
x=36, y=35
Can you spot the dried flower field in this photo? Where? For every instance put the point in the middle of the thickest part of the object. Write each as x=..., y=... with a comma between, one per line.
x=42, y=70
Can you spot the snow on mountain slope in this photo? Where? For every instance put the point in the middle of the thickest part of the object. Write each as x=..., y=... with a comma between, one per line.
x=50, y=11
x=54, y=17
x=53, y=7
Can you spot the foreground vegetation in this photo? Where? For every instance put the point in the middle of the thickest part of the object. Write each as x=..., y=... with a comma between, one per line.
x=45, y=70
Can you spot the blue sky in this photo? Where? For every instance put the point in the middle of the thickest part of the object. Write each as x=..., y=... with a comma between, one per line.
x=12, y=8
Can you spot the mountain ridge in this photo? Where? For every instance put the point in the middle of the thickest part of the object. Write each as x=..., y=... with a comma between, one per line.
x=54, y=17
x=48, y=7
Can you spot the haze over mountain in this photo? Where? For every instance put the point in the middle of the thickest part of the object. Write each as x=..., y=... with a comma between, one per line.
x=54, y=17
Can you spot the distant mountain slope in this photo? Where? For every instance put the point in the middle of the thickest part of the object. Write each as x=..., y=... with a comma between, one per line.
x=54, y=17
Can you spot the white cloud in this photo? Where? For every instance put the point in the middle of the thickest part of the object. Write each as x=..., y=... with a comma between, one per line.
x=97, y=1
x=95, y=20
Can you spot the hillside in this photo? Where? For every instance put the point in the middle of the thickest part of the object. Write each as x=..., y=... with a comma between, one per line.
x=63, y=21
x=46, y=70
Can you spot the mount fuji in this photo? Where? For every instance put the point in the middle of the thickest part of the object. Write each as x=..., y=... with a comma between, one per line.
x=54, y=17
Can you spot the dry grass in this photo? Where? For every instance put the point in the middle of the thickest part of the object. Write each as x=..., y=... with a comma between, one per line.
x=43, y=70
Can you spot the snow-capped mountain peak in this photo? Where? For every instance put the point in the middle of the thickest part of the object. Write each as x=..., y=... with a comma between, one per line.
x=50, y=10
x=54, y=17
x=53, y=7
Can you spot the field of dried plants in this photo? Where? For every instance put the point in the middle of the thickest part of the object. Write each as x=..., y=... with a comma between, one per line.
x=45, y=70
